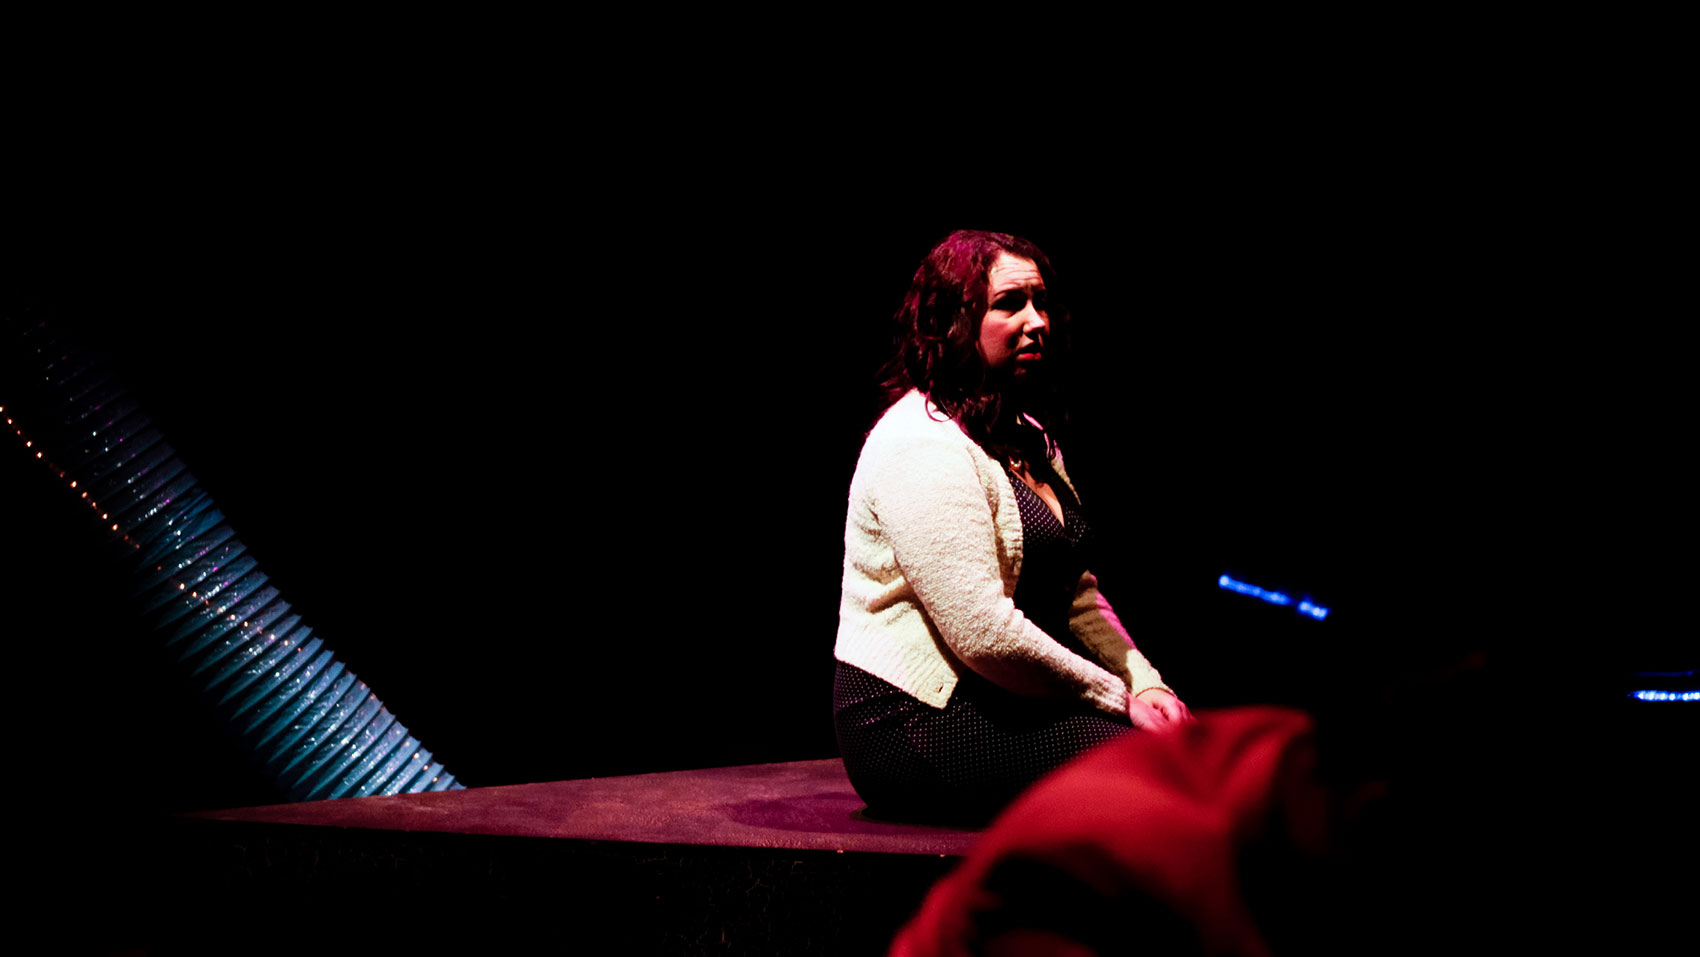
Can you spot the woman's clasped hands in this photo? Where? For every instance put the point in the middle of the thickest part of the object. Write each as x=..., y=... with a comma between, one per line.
x=1157, y=710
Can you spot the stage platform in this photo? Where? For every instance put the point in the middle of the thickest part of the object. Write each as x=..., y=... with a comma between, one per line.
x=764, y=859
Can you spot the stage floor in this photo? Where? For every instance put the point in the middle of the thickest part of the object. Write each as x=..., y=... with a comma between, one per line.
x=761, y=859
x=798, y=805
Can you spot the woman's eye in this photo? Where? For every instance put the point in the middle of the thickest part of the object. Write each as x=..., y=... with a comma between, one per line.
x=1010, y=303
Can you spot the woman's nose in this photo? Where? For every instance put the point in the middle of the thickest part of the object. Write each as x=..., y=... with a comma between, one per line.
x=1035, y=321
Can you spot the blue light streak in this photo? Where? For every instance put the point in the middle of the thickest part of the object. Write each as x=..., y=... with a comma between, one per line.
x=1666, y=695
x=1305, y=607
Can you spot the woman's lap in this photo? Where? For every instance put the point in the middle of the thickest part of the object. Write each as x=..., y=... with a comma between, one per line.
x=965, y=760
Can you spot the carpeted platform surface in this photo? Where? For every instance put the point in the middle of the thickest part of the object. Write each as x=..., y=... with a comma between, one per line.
x=763, y=859
x=800, y=805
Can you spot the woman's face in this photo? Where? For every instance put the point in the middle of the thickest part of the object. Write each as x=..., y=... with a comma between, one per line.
x=1012, y=334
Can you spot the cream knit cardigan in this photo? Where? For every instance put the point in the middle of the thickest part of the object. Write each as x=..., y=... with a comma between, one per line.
x=932, y=553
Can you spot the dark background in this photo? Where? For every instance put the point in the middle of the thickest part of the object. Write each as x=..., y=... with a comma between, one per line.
x=535, y=378
x=557, y=462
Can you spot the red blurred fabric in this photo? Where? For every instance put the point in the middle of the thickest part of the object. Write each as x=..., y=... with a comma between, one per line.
x=1153, y=843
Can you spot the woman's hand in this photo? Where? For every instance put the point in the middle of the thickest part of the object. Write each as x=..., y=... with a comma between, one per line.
x=1156, y=710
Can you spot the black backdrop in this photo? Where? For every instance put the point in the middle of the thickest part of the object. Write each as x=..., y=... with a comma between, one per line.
x=559, y=470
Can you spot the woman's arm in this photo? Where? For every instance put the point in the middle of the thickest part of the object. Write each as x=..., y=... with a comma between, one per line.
x=933, y=506
x=1151, y=703
x=1094, y=622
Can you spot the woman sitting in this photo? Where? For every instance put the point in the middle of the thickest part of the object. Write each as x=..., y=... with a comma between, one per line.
x=974, y=650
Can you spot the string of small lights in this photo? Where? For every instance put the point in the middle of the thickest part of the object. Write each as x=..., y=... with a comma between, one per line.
x=313, y=727
x=1304, y=607
x=1678, y=686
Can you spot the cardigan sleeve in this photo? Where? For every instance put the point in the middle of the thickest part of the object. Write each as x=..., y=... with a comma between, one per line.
x=936, y=511
x=1094, y=622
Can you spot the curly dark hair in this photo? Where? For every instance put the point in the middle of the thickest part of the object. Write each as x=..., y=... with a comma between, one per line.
x=938, y=346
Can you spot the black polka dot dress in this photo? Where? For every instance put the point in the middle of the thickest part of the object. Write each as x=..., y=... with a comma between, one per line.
x=966, y=761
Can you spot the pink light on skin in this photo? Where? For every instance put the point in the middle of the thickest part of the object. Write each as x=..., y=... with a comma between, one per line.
x=1013, y=331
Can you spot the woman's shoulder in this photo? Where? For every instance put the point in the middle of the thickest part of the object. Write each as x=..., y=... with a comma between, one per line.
x=914, y=416
x=915, y=430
